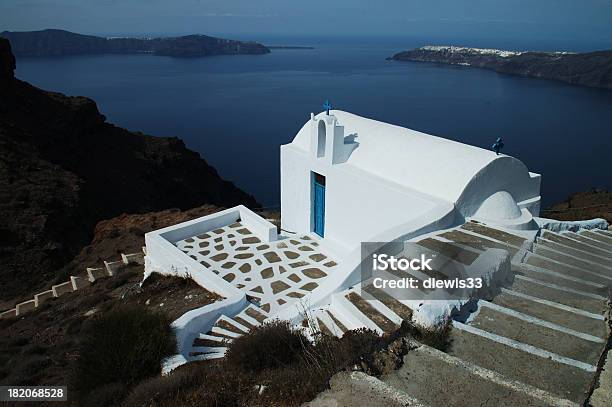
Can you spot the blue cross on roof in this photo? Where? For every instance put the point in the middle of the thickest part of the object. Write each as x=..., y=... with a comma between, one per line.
x=498, y=145
x=327, y=106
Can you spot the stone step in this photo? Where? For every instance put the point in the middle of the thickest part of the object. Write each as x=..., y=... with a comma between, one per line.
x=210, y=340
x=477, y=242
x=225, y=323
x=450, y=250
x=600, y=237
x=572, y=251
x=355, y=388
x=439, y=379
x=337, y=322
x=208, y=356
x=563, y=377
x=534, y=332
x=577, y=322
x=577, y=272
x=575, y=244
x=367, y=309
x=573, y=261
x=400, y=309
x=226, y=329
x=326, y=324
x=217, y=331
x=325, y=330
x=559, y=294
x=602, y=394
x=604, y=240
x=256, y=314
x=589, y=240
x=499, y=235
x=564, y=280
x=201, y=350
x=350, y=316
x=242, y=321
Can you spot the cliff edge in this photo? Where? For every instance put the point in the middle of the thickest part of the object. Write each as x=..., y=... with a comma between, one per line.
x=63, y=168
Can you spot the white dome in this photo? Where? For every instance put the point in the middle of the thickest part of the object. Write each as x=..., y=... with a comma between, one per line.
x=500, y=205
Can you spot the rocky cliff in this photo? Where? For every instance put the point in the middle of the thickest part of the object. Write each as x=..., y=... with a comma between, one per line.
x=60, y=42
x=595, y=203
x=63, y=168
x=593, y=69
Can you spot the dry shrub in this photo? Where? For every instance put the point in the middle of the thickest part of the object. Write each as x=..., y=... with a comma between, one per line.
x=196, y=384
x=331, y=354
x=268, y=346
x=437, y=337
x=275, y=355
x=123, y=346
x=109, y=394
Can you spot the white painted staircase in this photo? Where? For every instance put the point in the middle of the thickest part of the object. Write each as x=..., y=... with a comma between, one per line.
x=213, y=344
x=537, y=343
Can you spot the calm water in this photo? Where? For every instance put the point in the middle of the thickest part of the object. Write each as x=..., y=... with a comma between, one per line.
x=237, y=110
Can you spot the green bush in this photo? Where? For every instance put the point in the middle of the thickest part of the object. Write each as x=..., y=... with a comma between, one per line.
x=123, y=346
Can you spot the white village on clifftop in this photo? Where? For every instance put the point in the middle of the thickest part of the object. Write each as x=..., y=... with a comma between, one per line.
x=535, y=329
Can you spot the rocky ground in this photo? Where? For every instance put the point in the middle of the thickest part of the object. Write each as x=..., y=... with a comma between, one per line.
x=123, y=234
x=596, y=203
x=39, y=347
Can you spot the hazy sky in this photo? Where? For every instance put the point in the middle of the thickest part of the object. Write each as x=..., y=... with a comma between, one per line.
x=583, y=20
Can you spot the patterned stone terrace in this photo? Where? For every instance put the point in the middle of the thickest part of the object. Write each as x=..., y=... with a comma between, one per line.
x=272, y=274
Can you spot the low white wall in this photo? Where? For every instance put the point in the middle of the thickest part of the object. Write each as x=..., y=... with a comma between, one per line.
x=165, y=258
x=261, y=227
x=197, y=226
x=258, y=225
x=565, y=225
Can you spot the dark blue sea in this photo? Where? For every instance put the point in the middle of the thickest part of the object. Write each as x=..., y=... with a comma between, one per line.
x=237, y=110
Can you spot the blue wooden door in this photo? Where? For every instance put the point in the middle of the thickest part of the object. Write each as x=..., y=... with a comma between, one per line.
x=319, y=208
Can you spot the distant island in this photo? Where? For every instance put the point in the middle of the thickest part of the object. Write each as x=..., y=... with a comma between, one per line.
x=61, y=42
x=289, y=47
x=593, y=69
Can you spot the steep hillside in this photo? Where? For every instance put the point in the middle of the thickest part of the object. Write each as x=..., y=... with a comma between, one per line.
x=63, y=168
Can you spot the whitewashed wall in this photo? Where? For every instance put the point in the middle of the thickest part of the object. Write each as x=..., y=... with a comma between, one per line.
x=379, y=176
